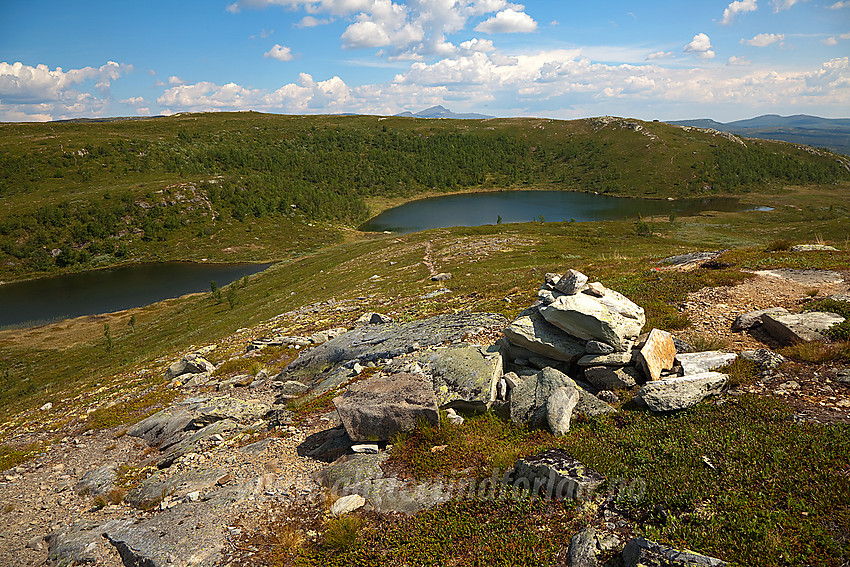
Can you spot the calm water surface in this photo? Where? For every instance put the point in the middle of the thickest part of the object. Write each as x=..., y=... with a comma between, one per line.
x=475, y=209
x=102, y=291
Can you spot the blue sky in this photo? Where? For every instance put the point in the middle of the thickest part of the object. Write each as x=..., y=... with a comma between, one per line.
x=558, y=59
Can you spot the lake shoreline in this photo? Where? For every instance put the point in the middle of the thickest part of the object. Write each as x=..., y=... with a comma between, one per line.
x=97, y=292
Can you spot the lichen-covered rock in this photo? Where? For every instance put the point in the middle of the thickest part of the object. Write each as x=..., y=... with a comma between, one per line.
x=557, y=476
x=79, y=543
x=189, y=364
x=154, y=488
x=379, y=407
x=571, y=282
x=611, y=377
x=613, y=359
x=381, y=342
x=98, y=481
x=764, y=358
x=641, y=552
x=673, y=394
x=163, y=428
x=528, y=399
x=463, y=376
x=198, y=441
x=173, y=537
x=226, y=407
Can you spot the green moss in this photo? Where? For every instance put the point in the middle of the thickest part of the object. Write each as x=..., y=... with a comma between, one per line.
x=131, y=411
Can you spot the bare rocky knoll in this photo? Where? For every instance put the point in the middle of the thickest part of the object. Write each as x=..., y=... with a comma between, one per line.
x=182, y=486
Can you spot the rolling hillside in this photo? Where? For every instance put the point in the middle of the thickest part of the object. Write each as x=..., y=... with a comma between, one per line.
x=249, y=186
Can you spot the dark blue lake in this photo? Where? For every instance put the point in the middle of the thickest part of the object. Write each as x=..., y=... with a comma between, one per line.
x=102, y=291
x=475, y=209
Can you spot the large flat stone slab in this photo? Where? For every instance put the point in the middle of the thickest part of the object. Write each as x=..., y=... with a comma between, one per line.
x=613, y=359
x=463, y=376
x=672, y=394
x=556, y=475
x=159, y=485
x=379, y=407
x=797, y=327
x=381, y=342
x=200, y=440
x=699, y=362
x=754, y=318
x=531, y=331
x=191, y=533
x=612, y=318
x=806, y=277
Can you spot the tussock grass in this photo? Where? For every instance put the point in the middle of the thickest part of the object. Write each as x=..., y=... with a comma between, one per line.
x=818, y=352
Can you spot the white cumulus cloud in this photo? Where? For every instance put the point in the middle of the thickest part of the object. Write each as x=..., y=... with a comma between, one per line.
x=764, y=39
x=508, y=21
x=700, y=46
x=839, y=5
x=738, y=61
x=311, y=22
x=134, y=100
x=279, y=52
x=41, y=93
x=738, y=7
x=659, y=55
x=476, y=44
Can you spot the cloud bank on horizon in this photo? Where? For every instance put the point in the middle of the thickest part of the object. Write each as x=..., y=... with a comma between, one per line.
x=667, y=60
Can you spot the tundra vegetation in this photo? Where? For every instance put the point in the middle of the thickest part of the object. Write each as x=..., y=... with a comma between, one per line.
x=223, y=186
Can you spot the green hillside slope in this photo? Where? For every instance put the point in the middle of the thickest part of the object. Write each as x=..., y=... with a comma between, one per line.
x=249, y=186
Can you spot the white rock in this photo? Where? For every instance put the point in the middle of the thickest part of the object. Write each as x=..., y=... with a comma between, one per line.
x=612, y=319
x=347, y=504
x=559, y=409
x=699, y=362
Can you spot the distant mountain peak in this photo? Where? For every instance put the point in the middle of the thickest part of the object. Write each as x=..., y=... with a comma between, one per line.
x=440, y=111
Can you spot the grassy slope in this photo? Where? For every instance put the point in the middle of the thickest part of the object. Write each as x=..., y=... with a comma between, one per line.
x=163, y=180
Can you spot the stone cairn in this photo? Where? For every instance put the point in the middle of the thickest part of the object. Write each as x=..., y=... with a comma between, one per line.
x=580, y=341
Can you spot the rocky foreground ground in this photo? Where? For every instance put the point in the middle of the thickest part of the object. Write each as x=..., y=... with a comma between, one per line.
x=186, y=485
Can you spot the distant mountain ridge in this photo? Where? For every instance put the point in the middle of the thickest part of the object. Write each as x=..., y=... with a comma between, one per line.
x=442, y=112
x=832, y=133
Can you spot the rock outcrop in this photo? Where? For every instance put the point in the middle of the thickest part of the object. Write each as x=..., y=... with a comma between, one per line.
x=673, y=394
x=379, y=407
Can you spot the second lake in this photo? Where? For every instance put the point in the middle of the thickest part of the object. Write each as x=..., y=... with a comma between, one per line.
x=475, y=209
